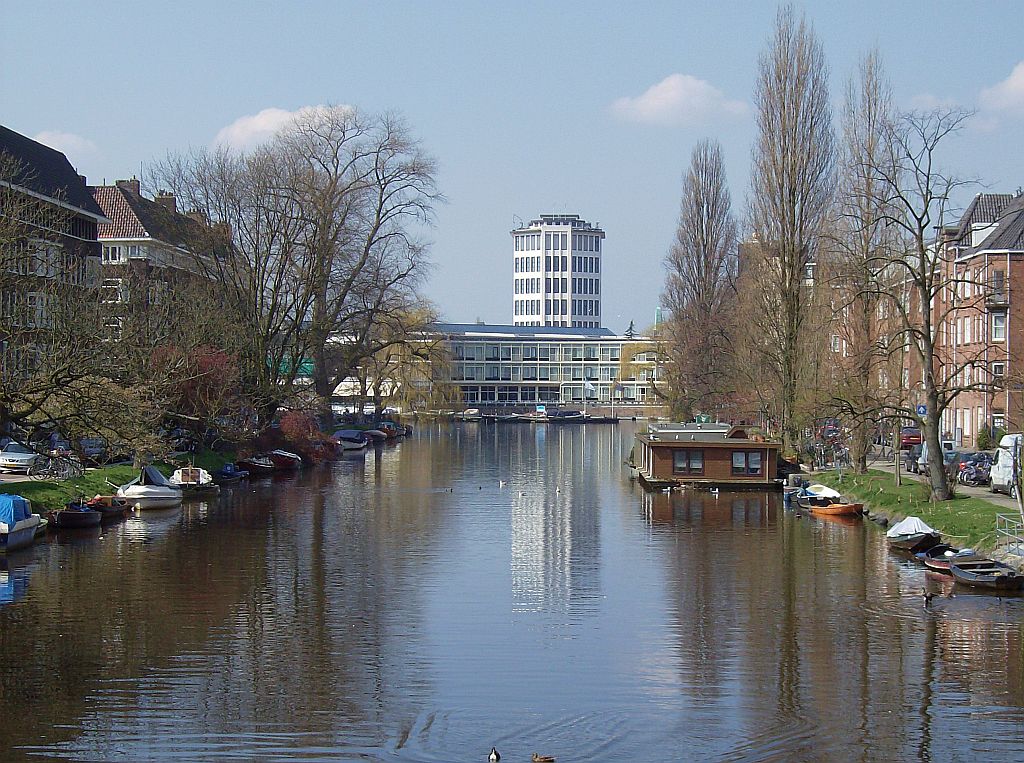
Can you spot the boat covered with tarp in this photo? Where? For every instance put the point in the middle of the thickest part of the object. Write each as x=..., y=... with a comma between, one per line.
x=150, y=490
x=912, y=534
x=17, y=523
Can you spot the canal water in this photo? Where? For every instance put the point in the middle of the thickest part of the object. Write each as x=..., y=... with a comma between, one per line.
x=506, y=585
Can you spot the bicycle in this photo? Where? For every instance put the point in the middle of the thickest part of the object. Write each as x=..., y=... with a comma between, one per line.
x=59, y=468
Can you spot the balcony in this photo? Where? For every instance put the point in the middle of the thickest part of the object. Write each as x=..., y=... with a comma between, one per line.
x=997, y=297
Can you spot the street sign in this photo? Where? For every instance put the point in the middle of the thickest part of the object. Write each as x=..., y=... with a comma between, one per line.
x=703, y=418
x=922, y=410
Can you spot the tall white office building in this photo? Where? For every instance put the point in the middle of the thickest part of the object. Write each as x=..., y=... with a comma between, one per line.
x=557, y=272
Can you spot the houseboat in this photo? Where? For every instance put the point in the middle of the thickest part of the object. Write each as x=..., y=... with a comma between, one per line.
x=671, y=454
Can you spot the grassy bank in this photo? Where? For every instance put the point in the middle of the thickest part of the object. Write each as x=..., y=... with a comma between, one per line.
x=46, y=495
x=963, y=521
x=49, y=494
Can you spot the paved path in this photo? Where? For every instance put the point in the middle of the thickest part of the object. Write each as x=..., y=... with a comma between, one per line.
x=999, y=499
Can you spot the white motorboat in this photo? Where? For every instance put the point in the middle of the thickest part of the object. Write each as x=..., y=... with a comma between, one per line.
x=194, y=481
x=150, y=490
x=351, y=439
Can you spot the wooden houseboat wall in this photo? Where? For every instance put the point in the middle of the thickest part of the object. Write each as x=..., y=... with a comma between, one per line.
x=709, y=456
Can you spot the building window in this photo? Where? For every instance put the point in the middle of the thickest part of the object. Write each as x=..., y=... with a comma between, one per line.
x=999, y=327
x=746, y=462
x=688, y=461
x=999, y=369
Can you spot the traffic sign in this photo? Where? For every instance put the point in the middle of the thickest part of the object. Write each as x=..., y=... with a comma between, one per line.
x=703, y=418
x=922, y=410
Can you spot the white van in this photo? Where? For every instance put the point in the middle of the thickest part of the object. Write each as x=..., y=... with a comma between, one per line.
x=1002, y=466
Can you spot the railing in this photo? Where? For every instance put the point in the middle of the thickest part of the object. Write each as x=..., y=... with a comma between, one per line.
x=998, y=296
x=1012, y=529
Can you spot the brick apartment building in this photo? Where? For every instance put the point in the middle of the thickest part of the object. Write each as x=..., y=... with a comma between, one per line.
x=983, y=336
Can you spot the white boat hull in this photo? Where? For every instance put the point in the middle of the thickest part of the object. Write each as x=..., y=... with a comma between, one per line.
x=151, y=496
x=21, y=535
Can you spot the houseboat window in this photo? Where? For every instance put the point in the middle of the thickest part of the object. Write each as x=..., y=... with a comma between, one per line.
x=746, y=462
x=688, y=461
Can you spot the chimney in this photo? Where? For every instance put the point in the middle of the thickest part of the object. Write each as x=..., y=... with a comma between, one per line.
x=132, y=185
x=166, y=200
x=199, y=216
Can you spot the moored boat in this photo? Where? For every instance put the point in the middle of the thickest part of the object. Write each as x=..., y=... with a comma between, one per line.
x=150, y=490
x=75, y=516
x=986, y=573
x=911, y=535
x=110, y=507
x=285, y=460
x=939, y=556
x=194, y=481
x=41, y=527
x=837, y=509
x=229, y=474
x=17, y=523
x=257, y=465
x=351, y=439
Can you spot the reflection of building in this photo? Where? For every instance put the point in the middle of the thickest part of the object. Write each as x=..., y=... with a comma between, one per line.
x=513, y=365
x=555, y=522
x=557, y=272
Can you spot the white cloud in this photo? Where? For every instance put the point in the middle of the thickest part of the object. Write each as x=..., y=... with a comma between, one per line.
x=1007, y=95
x=75, y=147
x=679, y=99
x=253, y=129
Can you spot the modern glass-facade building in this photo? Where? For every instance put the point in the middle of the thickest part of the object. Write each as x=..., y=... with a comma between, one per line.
x=524, y=365
x=557, y=272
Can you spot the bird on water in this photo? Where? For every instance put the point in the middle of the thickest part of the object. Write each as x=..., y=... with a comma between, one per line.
x=928, y=596
x=543, y=758
x=495, y=756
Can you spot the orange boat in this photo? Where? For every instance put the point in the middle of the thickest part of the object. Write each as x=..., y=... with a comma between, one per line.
x=838, y=509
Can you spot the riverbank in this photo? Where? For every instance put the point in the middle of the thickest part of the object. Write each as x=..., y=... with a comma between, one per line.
x=50, y=495
x=964, y=521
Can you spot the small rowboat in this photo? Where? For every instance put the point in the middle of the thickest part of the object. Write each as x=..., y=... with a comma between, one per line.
x=986, y=573
x=110, y=507
x=938, y=557
x=75, y=516
x=839, y=509
x=285, y=460
x=257, y=465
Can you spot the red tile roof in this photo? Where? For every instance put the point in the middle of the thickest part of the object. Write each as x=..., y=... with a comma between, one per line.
x=123, y=221
x=135, y=216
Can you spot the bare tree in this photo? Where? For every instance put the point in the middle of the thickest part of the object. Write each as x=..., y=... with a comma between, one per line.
x=792, y=183
x=923, y=290
x=855, y=263
x=320, y=228
x=701, y=266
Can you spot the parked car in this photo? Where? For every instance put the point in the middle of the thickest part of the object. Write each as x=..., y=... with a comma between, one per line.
x=910, y=458
x=1001, y=476
x=909, y=436
x=948, y=456
x=15, y=457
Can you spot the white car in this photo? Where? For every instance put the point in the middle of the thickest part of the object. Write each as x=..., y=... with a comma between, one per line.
x=15, y=457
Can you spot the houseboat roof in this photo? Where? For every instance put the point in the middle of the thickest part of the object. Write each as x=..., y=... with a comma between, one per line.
x=717, y=434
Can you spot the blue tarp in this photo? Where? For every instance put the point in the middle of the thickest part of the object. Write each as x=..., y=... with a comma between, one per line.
x=13, y=509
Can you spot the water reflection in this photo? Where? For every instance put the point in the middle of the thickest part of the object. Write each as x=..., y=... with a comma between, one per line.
x=481, y=584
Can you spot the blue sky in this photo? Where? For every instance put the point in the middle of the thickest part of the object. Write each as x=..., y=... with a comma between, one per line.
x=529, y=108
